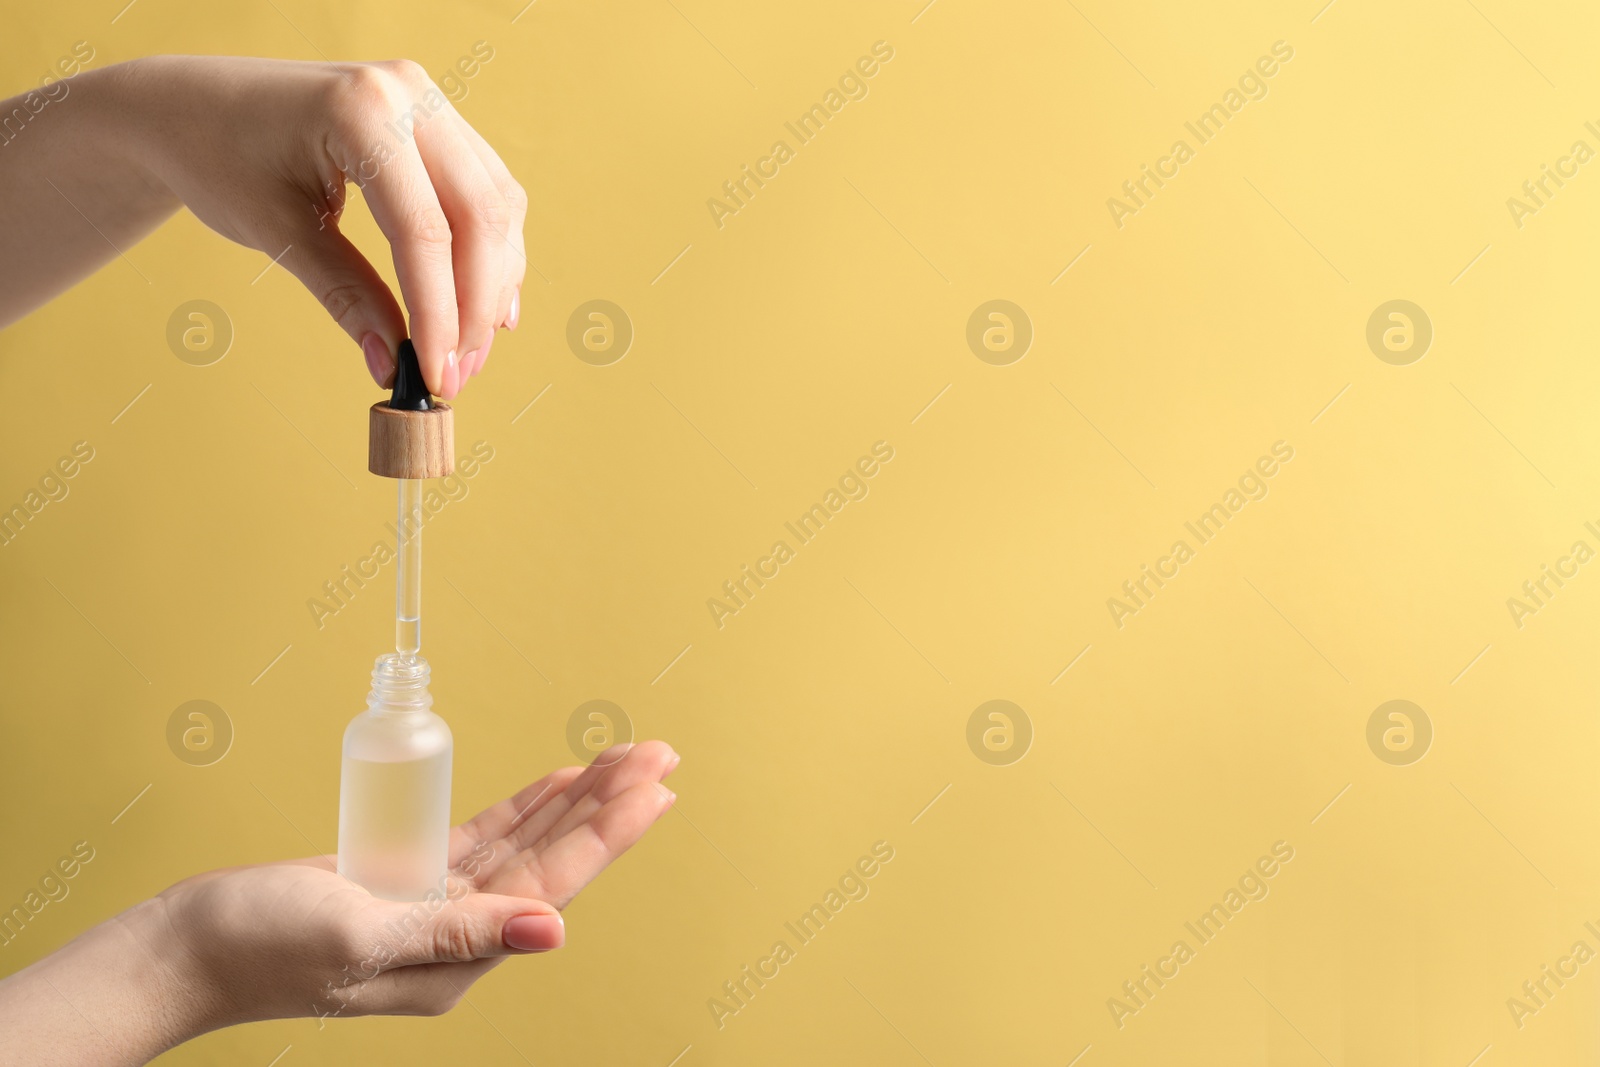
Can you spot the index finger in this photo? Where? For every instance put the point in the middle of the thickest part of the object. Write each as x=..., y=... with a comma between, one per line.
x=407, y=210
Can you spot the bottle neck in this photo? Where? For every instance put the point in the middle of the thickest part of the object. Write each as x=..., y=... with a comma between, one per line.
x=400, y=685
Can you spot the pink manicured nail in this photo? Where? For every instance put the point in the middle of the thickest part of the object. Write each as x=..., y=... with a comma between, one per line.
x=447, y=376
x=483, y=355
x=516, y=308
x=380, y=364
x=534, y=933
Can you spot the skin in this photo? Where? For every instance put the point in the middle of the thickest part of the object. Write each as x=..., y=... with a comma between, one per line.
x=264, y=152
x=293, y=939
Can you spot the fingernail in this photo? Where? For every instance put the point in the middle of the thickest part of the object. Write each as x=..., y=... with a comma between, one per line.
x=450, y=378
x=534, y=933
x=672, y=764
x=516, y=308
x=380, y=364
x=469, y=361
x=483, y=355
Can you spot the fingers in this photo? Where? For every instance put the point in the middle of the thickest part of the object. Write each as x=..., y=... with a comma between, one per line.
x=408, y=212
x=561, y=869
x=423, y=989
x=517, y=261
x=613, y=770
x=532, y=826
x=648, y=762
x=353, y=292
x=497, y=820
x=369, y=101
x=478, y=216
x=474, y=926
x=449, y=208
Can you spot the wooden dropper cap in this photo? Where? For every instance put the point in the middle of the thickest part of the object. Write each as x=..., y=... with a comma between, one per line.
x=410, y=435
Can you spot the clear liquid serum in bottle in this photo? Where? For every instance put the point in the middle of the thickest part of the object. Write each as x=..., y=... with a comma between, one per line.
x=394, y=789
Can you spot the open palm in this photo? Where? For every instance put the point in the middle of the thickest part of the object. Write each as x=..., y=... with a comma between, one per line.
x=295, y=938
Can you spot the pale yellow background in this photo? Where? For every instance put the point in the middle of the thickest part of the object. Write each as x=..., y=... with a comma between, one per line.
x=825, y=316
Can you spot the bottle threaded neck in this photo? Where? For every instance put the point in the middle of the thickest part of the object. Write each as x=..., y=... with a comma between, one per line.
x=400, y=683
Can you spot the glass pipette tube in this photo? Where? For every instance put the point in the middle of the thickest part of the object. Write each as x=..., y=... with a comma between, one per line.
x=408, y=575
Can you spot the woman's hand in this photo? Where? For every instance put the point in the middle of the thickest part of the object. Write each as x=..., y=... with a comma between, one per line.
x=261, y=151
x=291, y=939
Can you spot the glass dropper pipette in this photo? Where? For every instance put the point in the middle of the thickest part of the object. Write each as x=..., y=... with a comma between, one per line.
x=408, y=572
x=394, y=786
x=410, y=395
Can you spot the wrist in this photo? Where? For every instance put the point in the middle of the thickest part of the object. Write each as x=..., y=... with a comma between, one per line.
x=121, y=993
x=126, y=115
x=168, y=974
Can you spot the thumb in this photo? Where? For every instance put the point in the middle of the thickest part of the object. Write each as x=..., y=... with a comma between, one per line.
x=353, y=292
x=472, y=927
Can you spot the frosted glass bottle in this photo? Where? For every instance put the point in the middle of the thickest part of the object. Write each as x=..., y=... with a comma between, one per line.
x=394, y=790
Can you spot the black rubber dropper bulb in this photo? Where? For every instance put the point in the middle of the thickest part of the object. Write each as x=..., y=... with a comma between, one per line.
x=410, y=393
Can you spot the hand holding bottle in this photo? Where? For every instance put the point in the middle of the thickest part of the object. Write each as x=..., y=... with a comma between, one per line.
x=292, y=939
